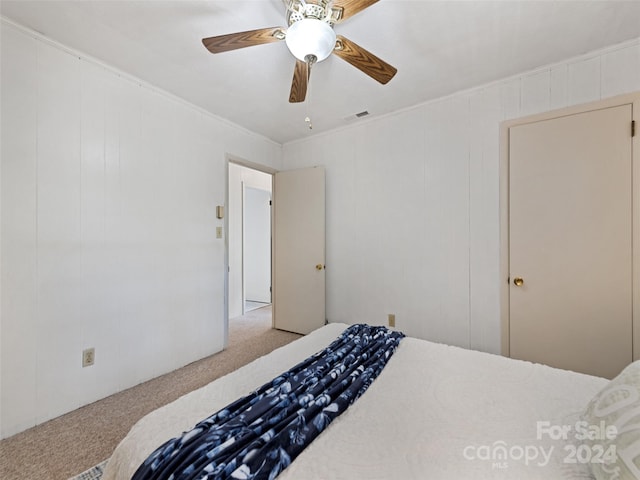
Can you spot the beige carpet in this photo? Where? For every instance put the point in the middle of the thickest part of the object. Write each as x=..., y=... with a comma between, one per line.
x=72, y=443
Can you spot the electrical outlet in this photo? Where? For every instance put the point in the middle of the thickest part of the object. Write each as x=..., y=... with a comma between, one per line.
x=392, y=319
x=88, y=357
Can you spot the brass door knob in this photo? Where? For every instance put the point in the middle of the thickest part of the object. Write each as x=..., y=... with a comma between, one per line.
x=518, y=281
x=319, y=266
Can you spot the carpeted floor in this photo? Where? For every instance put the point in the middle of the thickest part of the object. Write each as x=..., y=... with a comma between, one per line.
x=70, y=444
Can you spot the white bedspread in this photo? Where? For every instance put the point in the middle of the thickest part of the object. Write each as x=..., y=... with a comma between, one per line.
x=435, y=411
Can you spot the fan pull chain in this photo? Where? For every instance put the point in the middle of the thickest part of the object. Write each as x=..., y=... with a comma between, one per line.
x=310, y=59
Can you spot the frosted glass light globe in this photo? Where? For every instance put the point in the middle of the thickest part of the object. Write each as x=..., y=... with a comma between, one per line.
x=311, y=37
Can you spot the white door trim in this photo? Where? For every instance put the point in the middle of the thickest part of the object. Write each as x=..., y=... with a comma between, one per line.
x=634, y=100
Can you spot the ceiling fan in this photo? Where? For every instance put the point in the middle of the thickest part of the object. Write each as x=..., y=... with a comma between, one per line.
x=310, y=38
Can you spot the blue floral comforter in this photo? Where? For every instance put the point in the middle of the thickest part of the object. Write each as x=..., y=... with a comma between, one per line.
x=258, y=436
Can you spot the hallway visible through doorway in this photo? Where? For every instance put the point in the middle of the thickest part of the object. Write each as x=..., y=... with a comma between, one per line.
x=249, y=239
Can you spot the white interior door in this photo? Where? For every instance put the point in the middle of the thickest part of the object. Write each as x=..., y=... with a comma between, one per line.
x=570, y=241
x=299, y=250
x=257, y=245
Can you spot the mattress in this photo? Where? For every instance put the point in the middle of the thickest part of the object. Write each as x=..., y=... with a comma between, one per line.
x=435, y=411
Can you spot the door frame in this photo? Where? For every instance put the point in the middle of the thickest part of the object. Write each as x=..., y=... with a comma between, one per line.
x=634, y=100
x=230, y=158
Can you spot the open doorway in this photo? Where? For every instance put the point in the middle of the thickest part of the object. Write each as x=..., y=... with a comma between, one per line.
x=249, y=237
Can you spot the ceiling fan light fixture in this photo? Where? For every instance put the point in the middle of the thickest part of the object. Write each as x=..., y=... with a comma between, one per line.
x=311, y=37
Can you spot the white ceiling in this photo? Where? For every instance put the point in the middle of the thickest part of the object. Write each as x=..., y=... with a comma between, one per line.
x=438, y=47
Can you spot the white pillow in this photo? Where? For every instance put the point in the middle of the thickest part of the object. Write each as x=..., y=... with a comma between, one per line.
x=613, y=416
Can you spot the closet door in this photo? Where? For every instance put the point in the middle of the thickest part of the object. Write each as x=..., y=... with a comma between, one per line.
x=570, y=241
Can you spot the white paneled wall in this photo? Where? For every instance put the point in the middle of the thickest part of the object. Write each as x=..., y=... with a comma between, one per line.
x=109, y=190
x=413, y=199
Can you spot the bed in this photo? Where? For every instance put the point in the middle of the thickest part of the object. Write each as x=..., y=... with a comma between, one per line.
x=437, y=412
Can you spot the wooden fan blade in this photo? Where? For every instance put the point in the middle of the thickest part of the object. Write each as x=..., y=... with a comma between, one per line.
x=351, y=7
x=363, y=60
x=300, y=81
x=233, y=41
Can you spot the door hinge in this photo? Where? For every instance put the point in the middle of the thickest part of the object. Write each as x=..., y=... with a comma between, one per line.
x=270, y=203
x=633, y=128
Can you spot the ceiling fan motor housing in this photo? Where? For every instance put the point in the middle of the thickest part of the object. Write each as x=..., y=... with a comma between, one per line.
x=320, y=10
